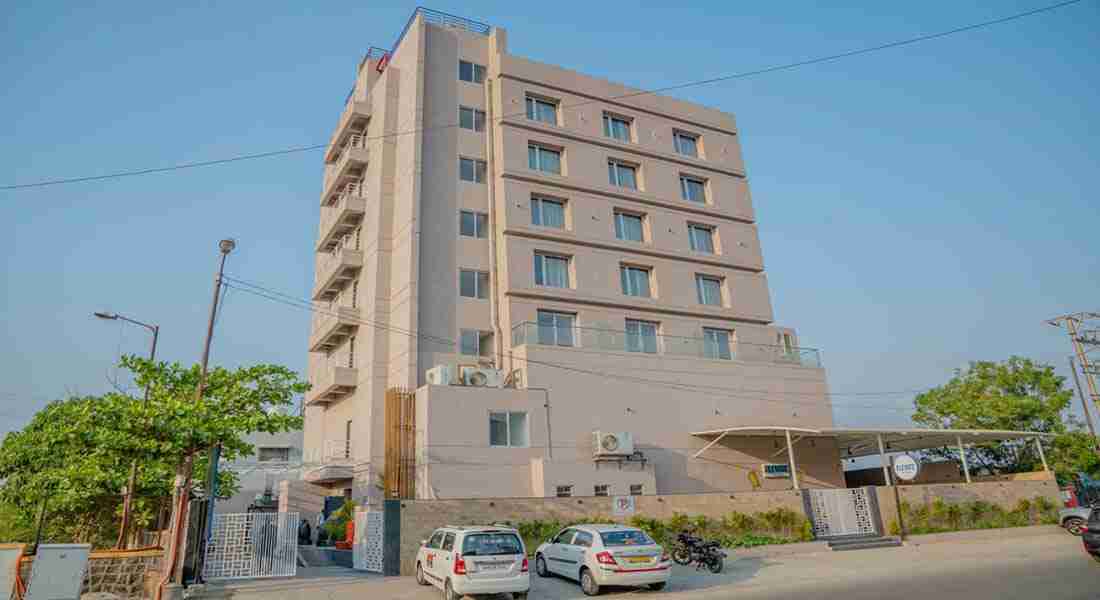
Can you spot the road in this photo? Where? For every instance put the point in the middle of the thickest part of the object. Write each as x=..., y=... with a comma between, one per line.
x=1050, y=566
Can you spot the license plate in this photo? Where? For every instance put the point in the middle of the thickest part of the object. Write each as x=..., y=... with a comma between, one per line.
x=494, y=566
x=637, y=559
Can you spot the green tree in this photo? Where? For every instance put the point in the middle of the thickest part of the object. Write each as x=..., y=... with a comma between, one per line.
x=1017, y=394
x=75, y=454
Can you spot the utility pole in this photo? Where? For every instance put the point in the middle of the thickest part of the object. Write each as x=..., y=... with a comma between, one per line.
x=1084, y=403
x=1081, y=338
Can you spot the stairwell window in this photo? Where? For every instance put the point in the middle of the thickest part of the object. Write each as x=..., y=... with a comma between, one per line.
x=563, y=491
x=473, y=342
x=709, y=290
x=351, y=352
x=600, y=489
x=473, y=224
x=542, y=158
x=629, y=227
x=471, y=72
x=546, y=212
x=693, y=189
x=616, y=127
x=641, y=336
x=636, y=489
x=620, y=174
x=701, y=238
x=555, y=328
x=472, y=170
x=542, y=110
x=716, y=343
x=551, y=270
x=508, y=429
x=471, y=118
x=686, y=143
x=635, y=281
x=473, y=284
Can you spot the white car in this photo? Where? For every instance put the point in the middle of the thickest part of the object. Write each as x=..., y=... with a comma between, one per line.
x=474, y=560
x=599, y=555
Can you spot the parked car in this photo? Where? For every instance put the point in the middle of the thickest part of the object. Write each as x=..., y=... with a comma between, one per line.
x=1074, y=519
x=1090, y=537
x=474, y=560
x=604, y=555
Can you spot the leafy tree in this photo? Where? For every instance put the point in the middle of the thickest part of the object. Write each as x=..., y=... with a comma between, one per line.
x=1017, y=394
x=75, y=454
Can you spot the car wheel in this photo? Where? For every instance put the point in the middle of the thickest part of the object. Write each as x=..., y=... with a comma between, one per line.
x=660, y=585
x=420, y=575
x=540, y=567
x=449, y=592
x=588, y=583
x=1074, y=525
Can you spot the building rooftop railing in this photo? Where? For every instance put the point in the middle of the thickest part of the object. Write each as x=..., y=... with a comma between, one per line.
x=731, y=349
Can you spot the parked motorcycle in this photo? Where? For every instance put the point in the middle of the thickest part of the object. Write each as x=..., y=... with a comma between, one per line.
x=689, y=549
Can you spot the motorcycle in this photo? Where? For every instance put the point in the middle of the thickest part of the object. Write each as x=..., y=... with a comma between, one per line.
x=689, y=549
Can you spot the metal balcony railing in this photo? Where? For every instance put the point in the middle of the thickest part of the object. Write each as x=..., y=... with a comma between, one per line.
x=667, y=345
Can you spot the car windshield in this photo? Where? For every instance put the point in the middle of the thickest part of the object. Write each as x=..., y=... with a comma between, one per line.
x=488, y=544
x=625, y=538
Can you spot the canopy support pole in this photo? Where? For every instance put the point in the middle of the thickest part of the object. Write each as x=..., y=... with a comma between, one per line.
x=708, y=446
x=1042, y=457
x=962, y=455
x=790, y=455
x=886, y=479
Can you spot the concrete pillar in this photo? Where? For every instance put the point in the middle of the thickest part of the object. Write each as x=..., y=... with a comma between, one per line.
x=1042, y=456
x=962, y=455
x=886, y=479
x=790, y=456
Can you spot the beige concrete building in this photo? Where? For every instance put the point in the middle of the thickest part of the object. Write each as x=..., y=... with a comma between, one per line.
x=595, y=245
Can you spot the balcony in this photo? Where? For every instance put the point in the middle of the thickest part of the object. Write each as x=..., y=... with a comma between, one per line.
x=353, y=120
x=341, y=217
x=330, y=328
x=667, y=345
x=334, y=270
x=332, y=382
x=349, y=166
x=332, y=462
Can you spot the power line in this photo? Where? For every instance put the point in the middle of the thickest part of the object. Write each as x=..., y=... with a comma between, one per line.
x=722, y=78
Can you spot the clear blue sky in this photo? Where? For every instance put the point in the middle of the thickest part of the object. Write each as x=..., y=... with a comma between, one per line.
x=919, y=207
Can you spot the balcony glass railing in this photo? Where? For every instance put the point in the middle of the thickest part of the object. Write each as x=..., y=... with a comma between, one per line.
x=668, y=345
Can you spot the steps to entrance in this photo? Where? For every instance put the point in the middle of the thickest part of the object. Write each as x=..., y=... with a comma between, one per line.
x=863, y=542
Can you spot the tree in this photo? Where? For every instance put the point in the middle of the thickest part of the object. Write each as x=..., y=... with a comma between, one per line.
x=75, y=454
x=1018, y=395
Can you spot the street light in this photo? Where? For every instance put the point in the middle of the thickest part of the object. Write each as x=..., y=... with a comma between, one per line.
x=127, y=501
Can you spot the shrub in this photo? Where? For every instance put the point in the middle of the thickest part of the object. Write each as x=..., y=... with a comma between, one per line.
x=941, y=516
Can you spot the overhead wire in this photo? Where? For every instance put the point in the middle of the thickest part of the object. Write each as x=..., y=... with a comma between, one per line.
x=451, y=125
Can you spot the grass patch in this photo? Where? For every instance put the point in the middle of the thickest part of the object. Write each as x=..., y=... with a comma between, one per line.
x=940, y=517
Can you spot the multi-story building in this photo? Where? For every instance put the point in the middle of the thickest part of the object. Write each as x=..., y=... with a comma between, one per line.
x=595, y=244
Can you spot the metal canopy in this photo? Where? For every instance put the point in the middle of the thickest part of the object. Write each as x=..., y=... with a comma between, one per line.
x=854, y=443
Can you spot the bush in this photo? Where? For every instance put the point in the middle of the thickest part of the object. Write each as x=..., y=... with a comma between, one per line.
x=940, y=516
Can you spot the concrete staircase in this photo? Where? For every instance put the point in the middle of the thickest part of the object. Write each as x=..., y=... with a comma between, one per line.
x=863, y=542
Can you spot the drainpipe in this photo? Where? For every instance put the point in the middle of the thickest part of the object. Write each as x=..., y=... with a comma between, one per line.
x=494, y=297
x=546, y=405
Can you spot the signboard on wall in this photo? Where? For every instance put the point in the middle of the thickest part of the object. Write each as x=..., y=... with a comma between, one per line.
x=776, y=471
x=906, y=467
x=622, y=506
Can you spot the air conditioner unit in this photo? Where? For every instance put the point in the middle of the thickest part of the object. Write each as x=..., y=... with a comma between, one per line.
x=607, y=443
x=442, y=375
x=480, y=376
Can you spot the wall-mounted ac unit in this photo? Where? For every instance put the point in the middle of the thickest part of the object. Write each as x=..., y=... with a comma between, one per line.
x=442, y=375
x=608, y=443
x=480, y=376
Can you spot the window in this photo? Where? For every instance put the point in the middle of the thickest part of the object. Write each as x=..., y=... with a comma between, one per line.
x=716, y=343
x=437, y=540
x=273, y=454
x=471, y=118
x=508, y=429
x=600, y=490
x=472, y=72
x=702, y=238
x=693, y=189
x=355, y=294
x=628, y=537
x=491, y=544
x=563, y=491
x=616, y=127
x=787, y=342
x=542, y=110
x=473, y=224
x=641, y=336
x=555, y=328
x=629, y=227
x=635, y=489
x=541, y=158
x=448, y=542
x=686, y=143
x=583, y=538
x=473, y=342
x=709, y=290
x=351, y=352
x=548, y=213
x=622, y=175
x=635, y=281
x=473, y=284
x=471, y=169
x=551, y=270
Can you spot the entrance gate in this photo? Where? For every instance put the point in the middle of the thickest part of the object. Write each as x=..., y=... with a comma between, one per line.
x=252, y=545
x=842, y=512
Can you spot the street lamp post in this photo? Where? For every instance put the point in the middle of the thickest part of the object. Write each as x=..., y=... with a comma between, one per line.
x=131, y=484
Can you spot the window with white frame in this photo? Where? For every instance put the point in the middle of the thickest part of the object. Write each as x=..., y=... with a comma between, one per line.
x=636, y=489
x=641, y=336
x=622, y=175
x=600, y=489
x=471, y=118
x=635, y=280
x=542, y=110
x=716, y=343
x=551, y=270
x=701, y=238
x=508, y=429
x=472, y=72
x=709, y=290
x=563, y=491
x=473, y=342
x=616, y=127
x=629, y=226
x=693, y=189
x=541, y=158
x=547, y=212
x=556, y=328
x=273, y=455
x=686, y=143
x=471, y=169
x=473, y=284
x=473, y=224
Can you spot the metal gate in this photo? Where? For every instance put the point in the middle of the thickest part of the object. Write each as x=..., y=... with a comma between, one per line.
x=367, y=551
x=251, y=545
x=841, y=512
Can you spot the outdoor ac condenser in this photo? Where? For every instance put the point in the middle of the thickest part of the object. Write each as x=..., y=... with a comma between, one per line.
x=480, y=376
x=442, y=375
x=609, y=444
